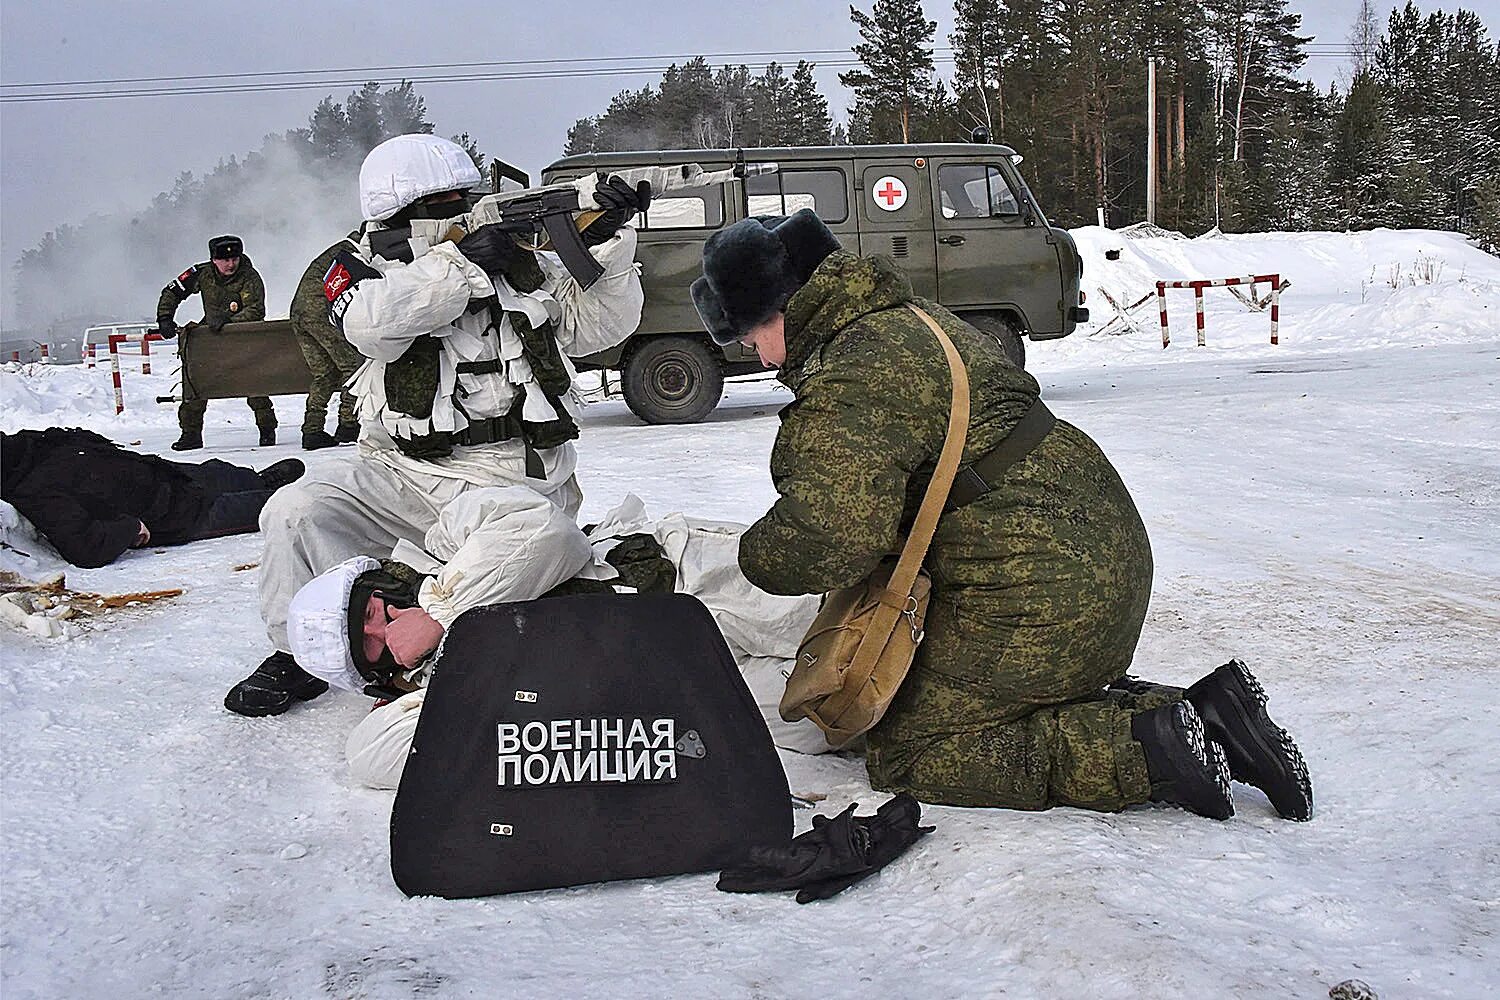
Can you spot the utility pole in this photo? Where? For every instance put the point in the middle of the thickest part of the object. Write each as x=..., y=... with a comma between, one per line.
x=1151, y=140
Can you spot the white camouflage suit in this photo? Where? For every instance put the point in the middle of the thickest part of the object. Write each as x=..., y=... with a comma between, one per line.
x=369, y=502
x=469, y=551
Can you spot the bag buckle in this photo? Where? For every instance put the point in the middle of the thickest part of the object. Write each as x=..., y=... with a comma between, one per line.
x=917, y=632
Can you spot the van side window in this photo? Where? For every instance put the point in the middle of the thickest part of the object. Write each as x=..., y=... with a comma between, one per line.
x=684, y=208
x=787, y=191
x=975, y=191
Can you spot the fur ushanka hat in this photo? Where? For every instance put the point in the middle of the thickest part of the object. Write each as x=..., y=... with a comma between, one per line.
x=753, y=267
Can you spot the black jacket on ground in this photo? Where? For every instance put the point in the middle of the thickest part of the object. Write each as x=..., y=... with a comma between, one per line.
x=88, y=495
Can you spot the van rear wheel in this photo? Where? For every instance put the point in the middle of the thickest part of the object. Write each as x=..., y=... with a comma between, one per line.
x=672, y=380
x=1005, y=332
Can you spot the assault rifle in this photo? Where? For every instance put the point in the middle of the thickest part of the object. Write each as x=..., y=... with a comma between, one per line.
x=553, y=216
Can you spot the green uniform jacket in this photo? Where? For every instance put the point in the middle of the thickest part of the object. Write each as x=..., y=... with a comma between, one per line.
x=241, y=297
x=1040, y=586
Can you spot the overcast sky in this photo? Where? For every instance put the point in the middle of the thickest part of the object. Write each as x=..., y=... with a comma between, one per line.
x=61, y=161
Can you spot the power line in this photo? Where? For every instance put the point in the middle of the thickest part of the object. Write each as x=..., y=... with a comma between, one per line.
x=420, y=66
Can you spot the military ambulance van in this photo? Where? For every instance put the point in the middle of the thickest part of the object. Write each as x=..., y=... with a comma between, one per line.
x=957, y=217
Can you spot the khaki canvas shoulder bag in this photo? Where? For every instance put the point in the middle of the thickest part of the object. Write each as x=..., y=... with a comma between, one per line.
x=864, y=638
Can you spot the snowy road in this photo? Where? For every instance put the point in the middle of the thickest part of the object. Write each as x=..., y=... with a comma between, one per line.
x=1332, y=517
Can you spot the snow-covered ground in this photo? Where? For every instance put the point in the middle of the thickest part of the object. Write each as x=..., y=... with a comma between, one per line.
x=1328, y=509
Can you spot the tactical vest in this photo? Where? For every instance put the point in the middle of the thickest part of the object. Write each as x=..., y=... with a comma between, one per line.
x=413, y=381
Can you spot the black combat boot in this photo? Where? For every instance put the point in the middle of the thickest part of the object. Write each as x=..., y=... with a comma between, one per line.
x=1260, y=753
x=281, y=473
x=188, y=441
x=313, y=440
x=1185, y=767
x=347, y=433
x=268, y=436
x=273, y=686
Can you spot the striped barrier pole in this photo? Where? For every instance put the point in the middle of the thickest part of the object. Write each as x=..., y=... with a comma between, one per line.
x=88, y=355
x=46, y=355
x=1198, y=306
x=145, y=355
x=115, y=339
x=1275, y=308
x=1161, y=305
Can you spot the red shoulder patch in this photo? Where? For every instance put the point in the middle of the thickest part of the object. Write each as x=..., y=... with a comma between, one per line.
x=336, y=280
x=185, y=275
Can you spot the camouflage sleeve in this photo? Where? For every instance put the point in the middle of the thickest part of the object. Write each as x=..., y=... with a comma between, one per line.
x=253, y=299
x=178, y=289
x=309, y=308
x=846, y=449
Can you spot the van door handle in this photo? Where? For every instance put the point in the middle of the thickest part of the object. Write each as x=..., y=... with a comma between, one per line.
x=951, y=241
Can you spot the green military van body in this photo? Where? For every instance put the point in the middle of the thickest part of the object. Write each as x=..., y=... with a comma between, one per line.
x=957, y=217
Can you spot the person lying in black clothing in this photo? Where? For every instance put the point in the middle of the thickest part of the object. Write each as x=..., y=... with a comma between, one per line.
x=93, y=499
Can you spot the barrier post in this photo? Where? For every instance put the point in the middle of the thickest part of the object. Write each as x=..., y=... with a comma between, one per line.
x=1198, y=305
x=145, y=355
x=115, y=339
x=1161, y=305
x=1275, y=308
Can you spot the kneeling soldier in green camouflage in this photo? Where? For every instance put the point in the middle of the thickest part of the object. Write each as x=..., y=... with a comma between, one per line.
x=1041, y=567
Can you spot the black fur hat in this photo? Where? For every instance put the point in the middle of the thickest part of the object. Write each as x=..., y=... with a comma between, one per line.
x=225, y=247
x=753, y=267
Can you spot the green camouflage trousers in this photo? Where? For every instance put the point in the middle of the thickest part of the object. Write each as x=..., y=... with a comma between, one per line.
x=332, y=360
x=190, y=413
x=1009, y=702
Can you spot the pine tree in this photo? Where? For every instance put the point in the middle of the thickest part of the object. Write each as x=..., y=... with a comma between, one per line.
x=979, y=55
x=404, y=112
x=365, y=126
x=807, y=110
x=771, y=108
x=467, y=143
x=896, y=52
x=583, y=137
x=328, y=130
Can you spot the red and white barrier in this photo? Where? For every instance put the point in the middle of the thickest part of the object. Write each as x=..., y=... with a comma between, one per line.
x=115, y=340
x=1198, y=285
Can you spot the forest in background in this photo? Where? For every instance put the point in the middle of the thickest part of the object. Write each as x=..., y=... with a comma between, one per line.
x=1410, y=139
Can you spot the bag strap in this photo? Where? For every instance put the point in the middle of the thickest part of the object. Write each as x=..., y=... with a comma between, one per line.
x=925, y=525
x=897, y=599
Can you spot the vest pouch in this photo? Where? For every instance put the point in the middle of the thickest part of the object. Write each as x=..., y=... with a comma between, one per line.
x=411, y=387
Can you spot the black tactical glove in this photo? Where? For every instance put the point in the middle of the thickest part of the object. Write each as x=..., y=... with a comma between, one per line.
x=166, y=328
x=493, y=248
x=835, y=854
x=620, y=202
x=833, y=847
x=216, y=322
x=891, y=831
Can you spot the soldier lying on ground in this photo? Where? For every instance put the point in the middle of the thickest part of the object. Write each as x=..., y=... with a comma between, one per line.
x=93, y=499
x=468, y=383
x=1041, y=575
x=372, y=626
x=233, y=292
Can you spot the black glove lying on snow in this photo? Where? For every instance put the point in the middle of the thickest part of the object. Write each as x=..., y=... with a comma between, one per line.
x=620, y=202
x=835, y=854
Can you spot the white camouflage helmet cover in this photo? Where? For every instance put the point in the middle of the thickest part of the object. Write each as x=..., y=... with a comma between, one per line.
x=317, y=625
x=407, y=167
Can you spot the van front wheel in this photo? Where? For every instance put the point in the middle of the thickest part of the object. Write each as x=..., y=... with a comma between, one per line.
x=1005, y=332
x=672, y=380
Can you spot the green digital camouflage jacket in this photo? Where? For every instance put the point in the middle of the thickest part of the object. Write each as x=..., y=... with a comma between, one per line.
x=1039, y=586
x=239, y=298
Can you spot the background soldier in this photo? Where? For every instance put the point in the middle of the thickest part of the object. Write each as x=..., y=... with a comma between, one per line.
x=330, y=357
x=232, y=292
